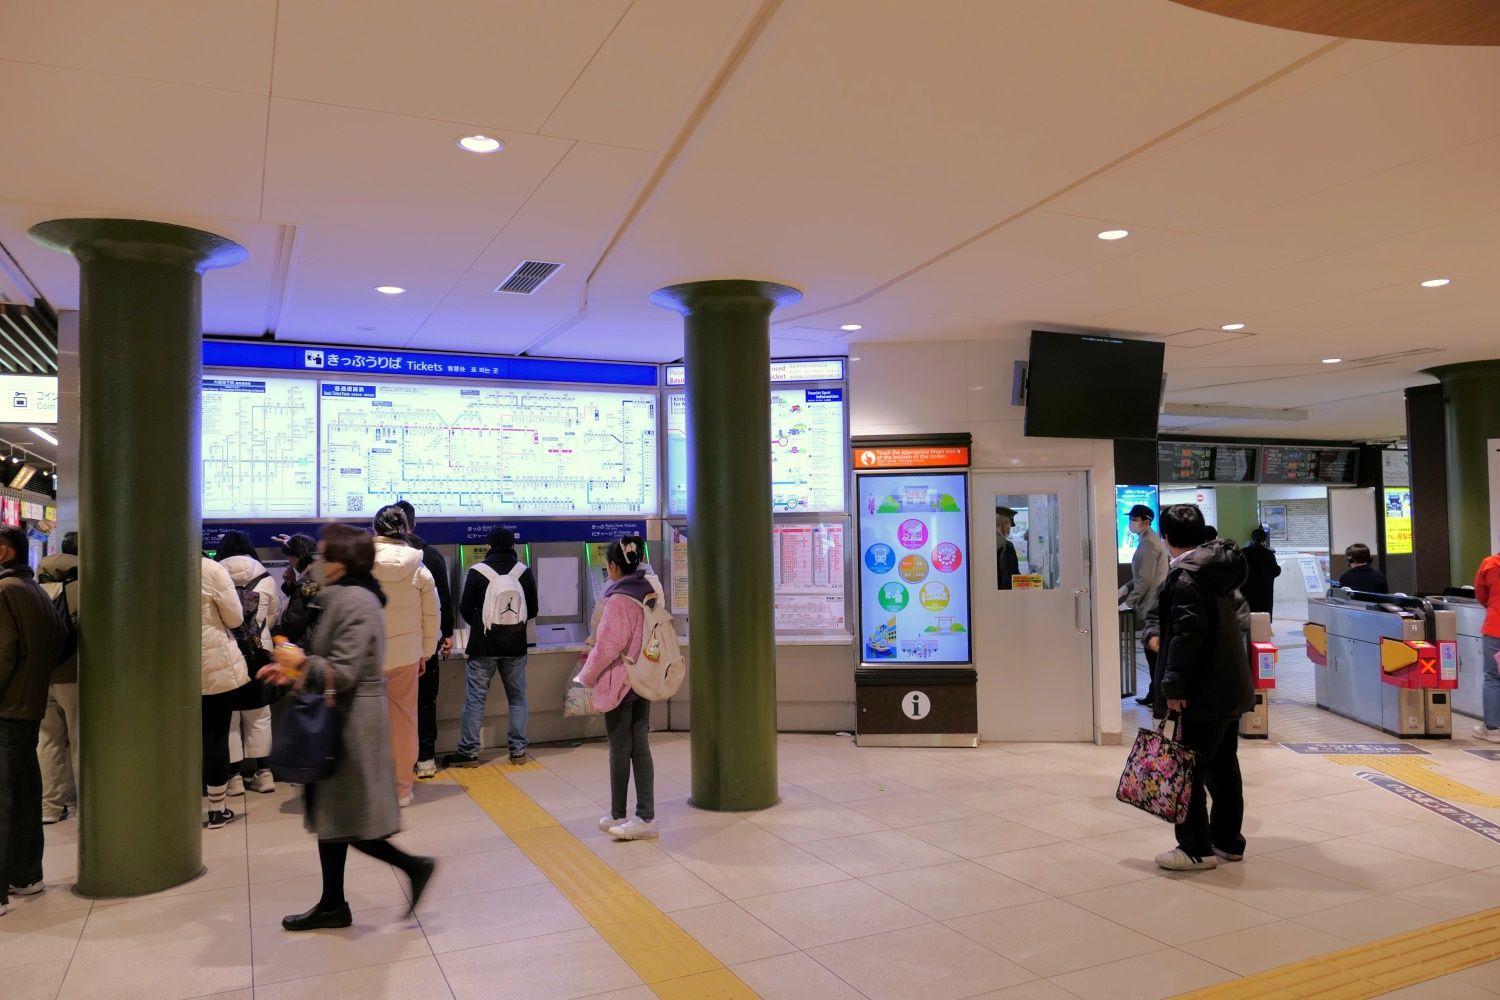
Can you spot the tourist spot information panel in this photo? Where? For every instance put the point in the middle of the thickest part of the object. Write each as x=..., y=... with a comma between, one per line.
x=914, y=578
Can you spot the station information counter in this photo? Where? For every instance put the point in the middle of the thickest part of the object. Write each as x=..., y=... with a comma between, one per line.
x=1387, y=661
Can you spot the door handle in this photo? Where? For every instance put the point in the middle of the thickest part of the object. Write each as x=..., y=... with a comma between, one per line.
x=1084, y=628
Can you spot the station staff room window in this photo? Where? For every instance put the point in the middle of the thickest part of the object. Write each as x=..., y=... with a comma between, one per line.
x=1027, y=547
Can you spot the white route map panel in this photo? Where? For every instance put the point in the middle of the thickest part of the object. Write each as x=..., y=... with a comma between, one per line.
x=456, y=450
x=260, y=439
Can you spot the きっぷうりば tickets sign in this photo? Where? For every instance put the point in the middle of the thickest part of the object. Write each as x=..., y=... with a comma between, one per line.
x=914, y=581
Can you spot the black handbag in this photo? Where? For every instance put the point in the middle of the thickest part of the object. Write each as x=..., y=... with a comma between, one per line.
x=305, y=735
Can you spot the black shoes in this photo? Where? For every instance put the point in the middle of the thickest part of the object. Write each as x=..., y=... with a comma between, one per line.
x=420, y=876
x=316, y=919
x=218, y=819
x=1143, y=700
x=461, y=760
x=519, y=758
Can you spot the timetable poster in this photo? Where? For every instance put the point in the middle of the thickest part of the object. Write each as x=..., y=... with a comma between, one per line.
x=913, y=566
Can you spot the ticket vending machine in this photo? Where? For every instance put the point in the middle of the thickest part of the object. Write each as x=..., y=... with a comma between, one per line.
x=915, y=680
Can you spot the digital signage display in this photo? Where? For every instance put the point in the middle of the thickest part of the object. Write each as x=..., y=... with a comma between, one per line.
x=1127, y=497
x=913, y=566
x=1397, y=521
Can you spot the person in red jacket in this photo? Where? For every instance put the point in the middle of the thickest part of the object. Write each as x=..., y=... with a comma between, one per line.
x=1487, y=589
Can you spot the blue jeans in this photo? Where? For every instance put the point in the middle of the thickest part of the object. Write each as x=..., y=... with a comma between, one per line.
x=20, y=805
x=1491, y=683
x=481, y=672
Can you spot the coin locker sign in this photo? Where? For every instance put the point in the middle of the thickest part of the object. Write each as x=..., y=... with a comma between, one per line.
x=28, y=399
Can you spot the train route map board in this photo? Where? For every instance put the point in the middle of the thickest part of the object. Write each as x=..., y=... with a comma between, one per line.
x=260, y=440
x=456, y=450
x=807, y=451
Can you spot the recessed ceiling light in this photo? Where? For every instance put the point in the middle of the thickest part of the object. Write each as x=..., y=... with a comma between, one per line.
x=851, y=327
x=390, y=289
x=1232, y=326
x=1114, y=234
x=1435, y=282
x=1332, y=361
x=480, y=144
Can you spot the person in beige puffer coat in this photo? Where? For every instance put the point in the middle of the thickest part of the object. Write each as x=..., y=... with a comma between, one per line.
x=411, y=633
x=226, y=683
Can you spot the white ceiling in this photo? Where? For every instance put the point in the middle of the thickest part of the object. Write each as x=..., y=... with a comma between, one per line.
x=932, y=177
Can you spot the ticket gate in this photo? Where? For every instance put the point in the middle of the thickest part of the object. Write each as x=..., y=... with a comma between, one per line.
x=1256, y=723
x=1388, y=661
x=1469, y=615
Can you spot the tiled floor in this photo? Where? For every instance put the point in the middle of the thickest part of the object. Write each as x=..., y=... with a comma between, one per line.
x=1003, y=872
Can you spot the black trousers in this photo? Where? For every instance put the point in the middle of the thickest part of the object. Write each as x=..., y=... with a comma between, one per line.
x=217, y=708
x=427, y=695
x=628, y=725
x=21, y=839
x=333, y=855
x=1217, y=773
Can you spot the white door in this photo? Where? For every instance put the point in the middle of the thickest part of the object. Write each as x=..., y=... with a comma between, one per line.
x=1032, y=605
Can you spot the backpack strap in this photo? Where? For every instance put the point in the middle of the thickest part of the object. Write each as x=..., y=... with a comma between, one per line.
x=487, y=571
x=517, y=570
x=256, y=582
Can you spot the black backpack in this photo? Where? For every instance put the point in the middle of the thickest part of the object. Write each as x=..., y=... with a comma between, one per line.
x=69, y=619
x=247, y=635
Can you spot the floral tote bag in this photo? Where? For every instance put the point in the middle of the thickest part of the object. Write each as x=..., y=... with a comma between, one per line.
x=1158, y=775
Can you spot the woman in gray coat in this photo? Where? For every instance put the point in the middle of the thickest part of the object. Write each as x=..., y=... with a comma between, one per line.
x=355, y=806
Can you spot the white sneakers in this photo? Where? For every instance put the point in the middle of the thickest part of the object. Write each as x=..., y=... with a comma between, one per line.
x=607, y=822
x=262, y=782
x=404, y=802
x=635, y=829
x=27, y=890
x=1483, y=732
x=426, y=769
x=1226, y=856
x=1178, y=860
x=236, y=785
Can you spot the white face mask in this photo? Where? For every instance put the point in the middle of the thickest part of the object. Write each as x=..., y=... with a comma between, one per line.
x=324, y=573
x=1137, y=527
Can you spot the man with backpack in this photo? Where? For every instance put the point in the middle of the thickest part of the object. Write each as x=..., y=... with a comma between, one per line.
x=499, y=598
x=58, y=749
x=31, y=644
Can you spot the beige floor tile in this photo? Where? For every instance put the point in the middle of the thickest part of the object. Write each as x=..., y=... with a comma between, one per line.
x=192, y=968
x=39, y=981
x=416, y=979
x=1172, y=912
x=1064, y=869
x=878, y=853
x=978, y=836
x=1038, y=989
x=1447, y=843
x=715, y=841
x=56, y=899
x=1138, y=846
x=1367, y=865
x=1266, y=835
x=1372, y=918
x=625, y=855
x=794, y=977
x=672, y=887
x=555, y=967
x=930, y=961
x=803, y=824
x=1484, y=976
x=632, y=993
x=1146, y=977
x=731, y=934
x=757, y=873
x=479, y=836
x=1053, y=937
x=912, y=809
x=60, y=863
x=366, y=889
x=483, y=918
x=1256, y=949
x=156, y=920
x=826, y=914
x=1340, y=820
x=1444, y=988
x=1457, y=897
x=378, y=937
x=32, y=938
x=944, y=892
x=855, y=789
x=273, y=864
x=1071, y=820
x=1278, y=888
x=466, y=873
x=1020, y=765
x=1002, y=798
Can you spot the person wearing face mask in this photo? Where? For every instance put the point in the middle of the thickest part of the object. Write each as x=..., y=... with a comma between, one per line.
x=1007, y=565
x=355, y=805
x=1148, y=568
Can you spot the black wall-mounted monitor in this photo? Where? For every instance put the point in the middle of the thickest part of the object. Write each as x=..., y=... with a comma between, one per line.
x=1093, y=386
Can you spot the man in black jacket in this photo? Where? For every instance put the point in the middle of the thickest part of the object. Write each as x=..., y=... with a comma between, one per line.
x=427, y=684
x=1204, y=667
x=484, y=662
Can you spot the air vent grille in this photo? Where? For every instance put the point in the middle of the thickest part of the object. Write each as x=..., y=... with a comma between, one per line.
x=528, y=276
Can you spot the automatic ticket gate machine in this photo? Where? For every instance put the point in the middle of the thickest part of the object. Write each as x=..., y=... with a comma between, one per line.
x=1388, y=661
x=1468, y=615
x=1256, y=723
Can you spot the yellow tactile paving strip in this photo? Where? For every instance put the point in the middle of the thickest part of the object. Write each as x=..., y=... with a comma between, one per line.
x=1418, y=772
x=1368, y=970
x=666, y=957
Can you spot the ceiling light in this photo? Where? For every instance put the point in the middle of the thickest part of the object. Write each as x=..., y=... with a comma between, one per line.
x=1332, y=361
x=1435, y=282
x=1232, y=326
x=43, y=435
x=1114, y=234
x=390, y=289
x=851, y=327
x=480, y=144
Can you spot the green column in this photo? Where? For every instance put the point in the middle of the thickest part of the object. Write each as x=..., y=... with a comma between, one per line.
x=1471, y=418
x=141, y=351
x=731, y=624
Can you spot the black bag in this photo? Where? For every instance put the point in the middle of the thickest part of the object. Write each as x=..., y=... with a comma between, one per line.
x=305, y=736
x=297, y=620
x=70, y=623
x=247, y=635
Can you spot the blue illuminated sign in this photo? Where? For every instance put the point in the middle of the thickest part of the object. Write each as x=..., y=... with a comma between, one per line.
x=378, y=361
x=1127, y=497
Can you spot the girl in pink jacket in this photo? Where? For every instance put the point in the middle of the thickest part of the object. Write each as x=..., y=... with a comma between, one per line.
x=626, y=714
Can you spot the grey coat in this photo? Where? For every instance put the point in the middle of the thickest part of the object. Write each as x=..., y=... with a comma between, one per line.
x=357, y=801
x=1148, y=568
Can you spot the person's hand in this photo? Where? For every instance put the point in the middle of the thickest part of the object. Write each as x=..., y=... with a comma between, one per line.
x=445, y=649
x=274, y=673
x=421, y=668
x=1154, y=644
x=288, y=657
x=1176, y=704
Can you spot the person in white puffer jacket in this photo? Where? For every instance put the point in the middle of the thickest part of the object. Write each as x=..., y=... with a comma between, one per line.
x=250, y=732
x=411, y=633
x=226, y=680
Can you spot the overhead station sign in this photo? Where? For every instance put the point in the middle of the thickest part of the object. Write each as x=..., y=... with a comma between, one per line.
x=28, y=399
